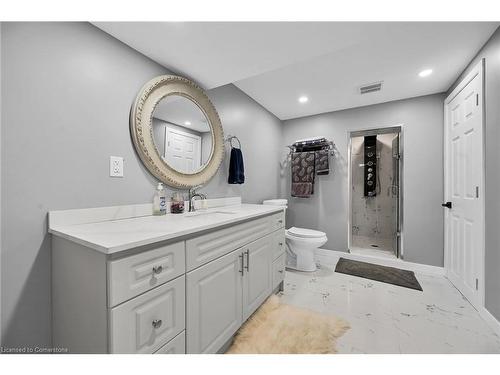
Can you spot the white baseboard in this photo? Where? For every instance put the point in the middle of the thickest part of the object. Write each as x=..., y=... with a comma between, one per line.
x=398, y=263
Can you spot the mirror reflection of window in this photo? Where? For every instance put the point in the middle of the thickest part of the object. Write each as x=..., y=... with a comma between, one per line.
x=182, y=134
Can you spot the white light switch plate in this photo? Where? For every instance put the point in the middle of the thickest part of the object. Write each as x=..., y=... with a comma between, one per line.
x=115, y=166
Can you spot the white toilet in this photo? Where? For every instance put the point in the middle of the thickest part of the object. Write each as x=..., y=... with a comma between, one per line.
x=301, y=243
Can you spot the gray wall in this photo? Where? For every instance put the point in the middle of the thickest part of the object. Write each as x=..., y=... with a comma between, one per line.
x=491, y=53
x=327, y=210
x=70, y=87
x=260, y=134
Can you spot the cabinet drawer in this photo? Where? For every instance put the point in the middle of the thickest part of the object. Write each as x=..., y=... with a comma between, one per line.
x=175, y=346
x=278, y=270
x=207, y=247
x=278, y=243
x=278, y=220
x=136, y=274
x=145, y=323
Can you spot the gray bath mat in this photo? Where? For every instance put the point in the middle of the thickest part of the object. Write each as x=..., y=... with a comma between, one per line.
x=384, y=274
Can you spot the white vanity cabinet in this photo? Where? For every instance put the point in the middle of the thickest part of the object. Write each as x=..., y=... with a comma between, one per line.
x=189, y=293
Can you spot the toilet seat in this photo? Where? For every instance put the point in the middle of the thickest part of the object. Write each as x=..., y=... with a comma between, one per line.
x=305, y=233
x=306, y=242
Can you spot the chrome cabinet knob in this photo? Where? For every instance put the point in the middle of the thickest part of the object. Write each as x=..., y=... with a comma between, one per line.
x=280, y=271
x=156, y=323
x=157, y=270
x=280, y=221
x=281, y=243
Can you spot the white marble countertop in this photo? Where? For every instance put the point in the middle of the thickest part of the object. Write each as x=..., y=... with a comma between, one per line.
x=112, y=236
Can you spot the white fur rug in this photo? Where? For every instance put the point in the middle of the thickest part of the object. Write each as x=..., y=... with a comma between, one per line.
x=277, y=328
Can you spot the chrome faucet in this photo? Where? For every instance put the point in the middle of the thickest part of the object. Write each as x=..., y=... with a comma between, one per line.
x=193, y=194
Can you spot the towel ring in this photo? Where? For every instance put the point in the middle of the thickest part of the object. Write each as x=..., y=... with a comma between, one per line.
x=230, y=140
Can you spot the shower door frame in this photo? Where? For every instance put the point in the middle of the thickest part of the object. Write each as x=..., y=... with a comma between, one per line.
x=371, y=130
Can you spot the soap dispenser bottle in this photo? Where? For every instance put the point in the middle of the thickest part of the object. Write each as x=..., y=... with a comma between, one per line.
x=160, y=201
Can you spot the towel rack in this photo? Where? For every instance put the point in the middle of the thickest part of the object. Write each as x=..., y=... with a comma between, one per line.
x=326, y=145
x=230, y=140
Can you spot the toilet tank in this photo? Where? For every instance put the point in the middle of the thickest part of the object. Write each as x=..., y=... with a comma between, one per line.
x=277, y=202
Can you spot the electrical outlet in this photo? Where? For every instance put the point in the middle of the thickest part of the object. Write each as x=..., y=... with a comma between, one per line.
x=115, y=166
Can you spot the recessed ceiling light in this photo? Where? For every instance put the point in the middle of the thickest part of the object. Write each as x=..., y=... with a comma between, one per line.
x=187, y=123
x=425, y=73
x=303, y=99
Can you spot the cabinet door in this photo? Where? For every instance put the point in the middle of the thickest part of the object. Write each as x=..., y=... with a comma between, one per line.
x=257, y=280
x=214, y=303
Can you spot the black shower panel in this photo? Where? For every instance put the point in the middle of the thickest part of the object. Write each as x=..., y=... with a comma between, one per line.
x=370, y=175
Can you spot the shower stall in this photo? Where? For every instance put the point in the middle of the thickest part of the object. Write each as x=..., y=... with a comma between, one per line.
x=375, y=190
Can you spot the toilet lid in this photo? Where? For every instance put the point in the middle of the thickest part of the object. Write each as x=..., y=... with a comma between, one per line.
x=305, y=233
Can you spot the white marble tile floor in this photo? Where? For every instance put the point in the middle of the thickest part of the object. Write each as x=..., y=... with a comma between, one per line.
x=385, y=318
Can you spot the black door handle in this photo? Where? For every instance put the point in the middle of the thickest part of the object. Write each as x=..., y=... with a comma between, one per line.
x=447, y=204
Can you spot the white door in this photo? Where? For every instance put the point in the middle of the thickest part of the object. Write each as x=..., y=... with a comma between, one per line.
x=213, y=303
x=464, y=187
x=182, y=150
x=257, y=280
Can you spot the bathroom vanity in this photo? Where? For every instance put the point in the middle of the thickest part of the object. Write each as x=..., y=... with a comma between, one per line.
x=124, y=281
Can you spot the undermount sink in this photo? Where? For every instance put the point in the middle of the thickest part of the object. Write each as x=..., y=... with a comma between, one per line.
x=199, y=213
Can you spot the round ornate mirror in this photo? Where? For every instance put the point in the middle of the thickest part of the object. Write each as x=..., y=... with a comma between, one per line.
x=177, y=132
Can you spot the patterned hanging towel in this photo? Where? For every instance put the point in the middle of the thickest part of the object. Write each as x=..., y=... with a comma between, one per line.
x=303, y=172
x=322, y=162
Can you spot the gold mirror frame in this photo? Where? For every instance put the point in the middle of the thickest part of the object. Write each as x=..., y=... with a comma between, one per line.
x=141, y=130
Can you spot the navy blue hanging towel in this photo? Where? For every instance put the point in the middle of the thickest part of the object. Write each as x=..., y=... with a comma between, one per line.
x=236, y=168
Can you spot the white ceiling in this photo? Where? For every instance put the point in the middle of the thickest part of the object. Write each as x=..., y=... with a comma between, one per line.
x=276, y=62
